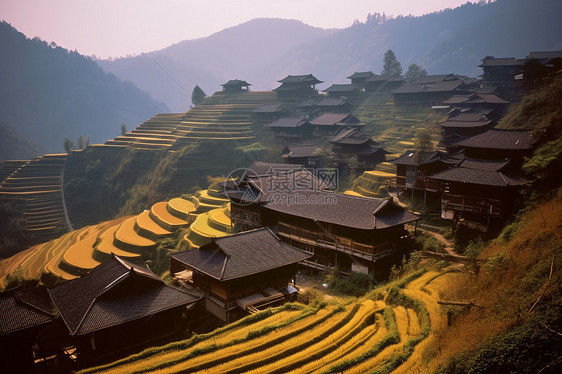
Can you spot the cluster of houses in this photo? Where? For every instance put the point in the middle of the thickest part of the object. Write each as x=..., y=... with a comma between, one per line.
x=286, y=216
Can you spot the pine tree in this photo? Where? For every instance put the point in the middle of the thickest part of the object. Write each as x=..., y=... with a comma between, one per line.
x=198, y=95
x=391, y=67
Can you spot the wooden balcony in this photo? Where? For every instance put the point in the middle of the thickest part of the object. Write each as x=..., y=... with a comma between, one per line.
x=420, y=184
x=337, y=243
x=471, y=204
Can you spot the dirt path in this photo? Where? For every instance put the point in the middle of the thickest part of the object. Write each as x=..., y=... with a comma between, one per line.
x=448, y=245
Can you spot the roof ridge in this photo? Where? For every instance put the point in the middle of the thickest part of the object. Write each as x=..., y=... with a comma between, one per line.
x=241, y=233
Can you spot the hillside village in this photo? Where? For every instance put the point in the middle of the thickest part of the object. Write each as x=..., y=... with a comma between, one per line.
x=350, y=176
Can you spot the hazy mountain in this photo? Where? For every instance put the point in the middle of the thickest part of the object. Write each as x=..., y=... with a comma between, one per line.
x=263, y=51
x=15, y=147
x=48, y=93
x=240, y=52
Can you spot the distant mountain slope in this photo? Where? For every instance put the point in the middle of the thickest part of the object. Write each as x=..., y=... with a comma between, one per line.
x=14, y=147
x=48, y=93
x=265, y=50
x=241, y=52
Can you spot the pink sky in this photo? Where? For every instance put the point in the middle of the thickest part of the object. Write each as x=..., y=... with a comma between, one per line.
x=121, y=27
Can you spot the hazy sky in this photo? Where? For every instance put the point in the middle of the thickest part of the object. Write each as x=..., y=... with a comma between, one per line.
x=120, y=27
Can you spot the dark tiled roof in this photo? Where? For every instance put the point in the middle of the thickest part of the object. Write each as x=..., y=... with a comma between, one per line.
x=499, y=139
x=308, y=78
x=236, y=82
x=239, y=255
x=502, y=61
x=21, y=310
x=478, y=177
x=544, y=55
x=258, y=185
x=302, y=150
x=434, y=78
x=380, y=78
x=350, y=135
x=345, y=210
x=271, y=108
x=287, y=122
x=442, y=86
x=85, y=304
x=260, y=168
x=368, y=149
x=127, y=305
x=475, y=98
x=453, y=123
x=332, y=102
x=469, y=116
x=341, y=88
x=411, y=157
x=360, y=75
x=329, y=119
x=486, y=165
x=467, y=119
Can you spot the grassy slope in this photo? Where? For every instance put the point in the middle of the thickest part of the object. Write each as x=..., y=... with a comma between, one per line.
x=519, y=300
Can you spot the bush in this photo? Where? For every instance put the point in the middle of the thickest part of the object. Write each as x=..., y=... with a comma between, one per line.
x=309, y=296
x=356, y=284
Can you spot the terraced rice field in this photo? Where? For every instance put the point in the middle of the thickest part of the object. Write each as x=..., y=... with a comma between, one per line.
x=385, y=331
x=75, y=253
x=38, y=183
x=220, y=117
x=212, y=218
x=134, y=238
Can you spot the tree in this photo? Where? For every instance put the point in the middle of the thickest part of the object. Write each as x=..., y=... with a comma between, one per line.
x=81, y=142
x=414, y=72
x=423, y=141
x=68, y=145
x=123, y=128
x=391, y=67
x=198, y=95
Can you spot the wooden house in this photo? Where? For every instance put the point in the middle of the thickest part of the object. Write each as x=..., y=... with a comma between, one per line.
x=271, y=112
x=431, y=93
x=236, y=86
x=479, y=102
x=499, y=74
x=414, y=168
x=241, y=273
x=290, y=129
x=349, y=232
x=328, y=124
x=297, y=86
x=119, y=306
x=28, y=324
x=478, y=193
x=342, y=90
x=333, y=105
x=308, y=155
x=462, y=124
x=359, y=78
x=498, y=144
x=350, y=141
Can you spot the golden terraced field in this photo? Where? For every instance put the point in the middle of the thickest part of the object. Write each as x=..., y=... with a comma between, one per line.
x=385, y=331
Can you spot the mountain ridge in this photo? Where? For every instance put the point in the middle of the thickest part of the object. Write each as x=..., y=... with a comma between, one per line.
x=517, y=27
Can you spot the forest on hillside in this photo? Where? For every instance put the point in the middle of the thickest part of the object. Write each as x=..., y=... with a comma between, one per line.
x=49, y=93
